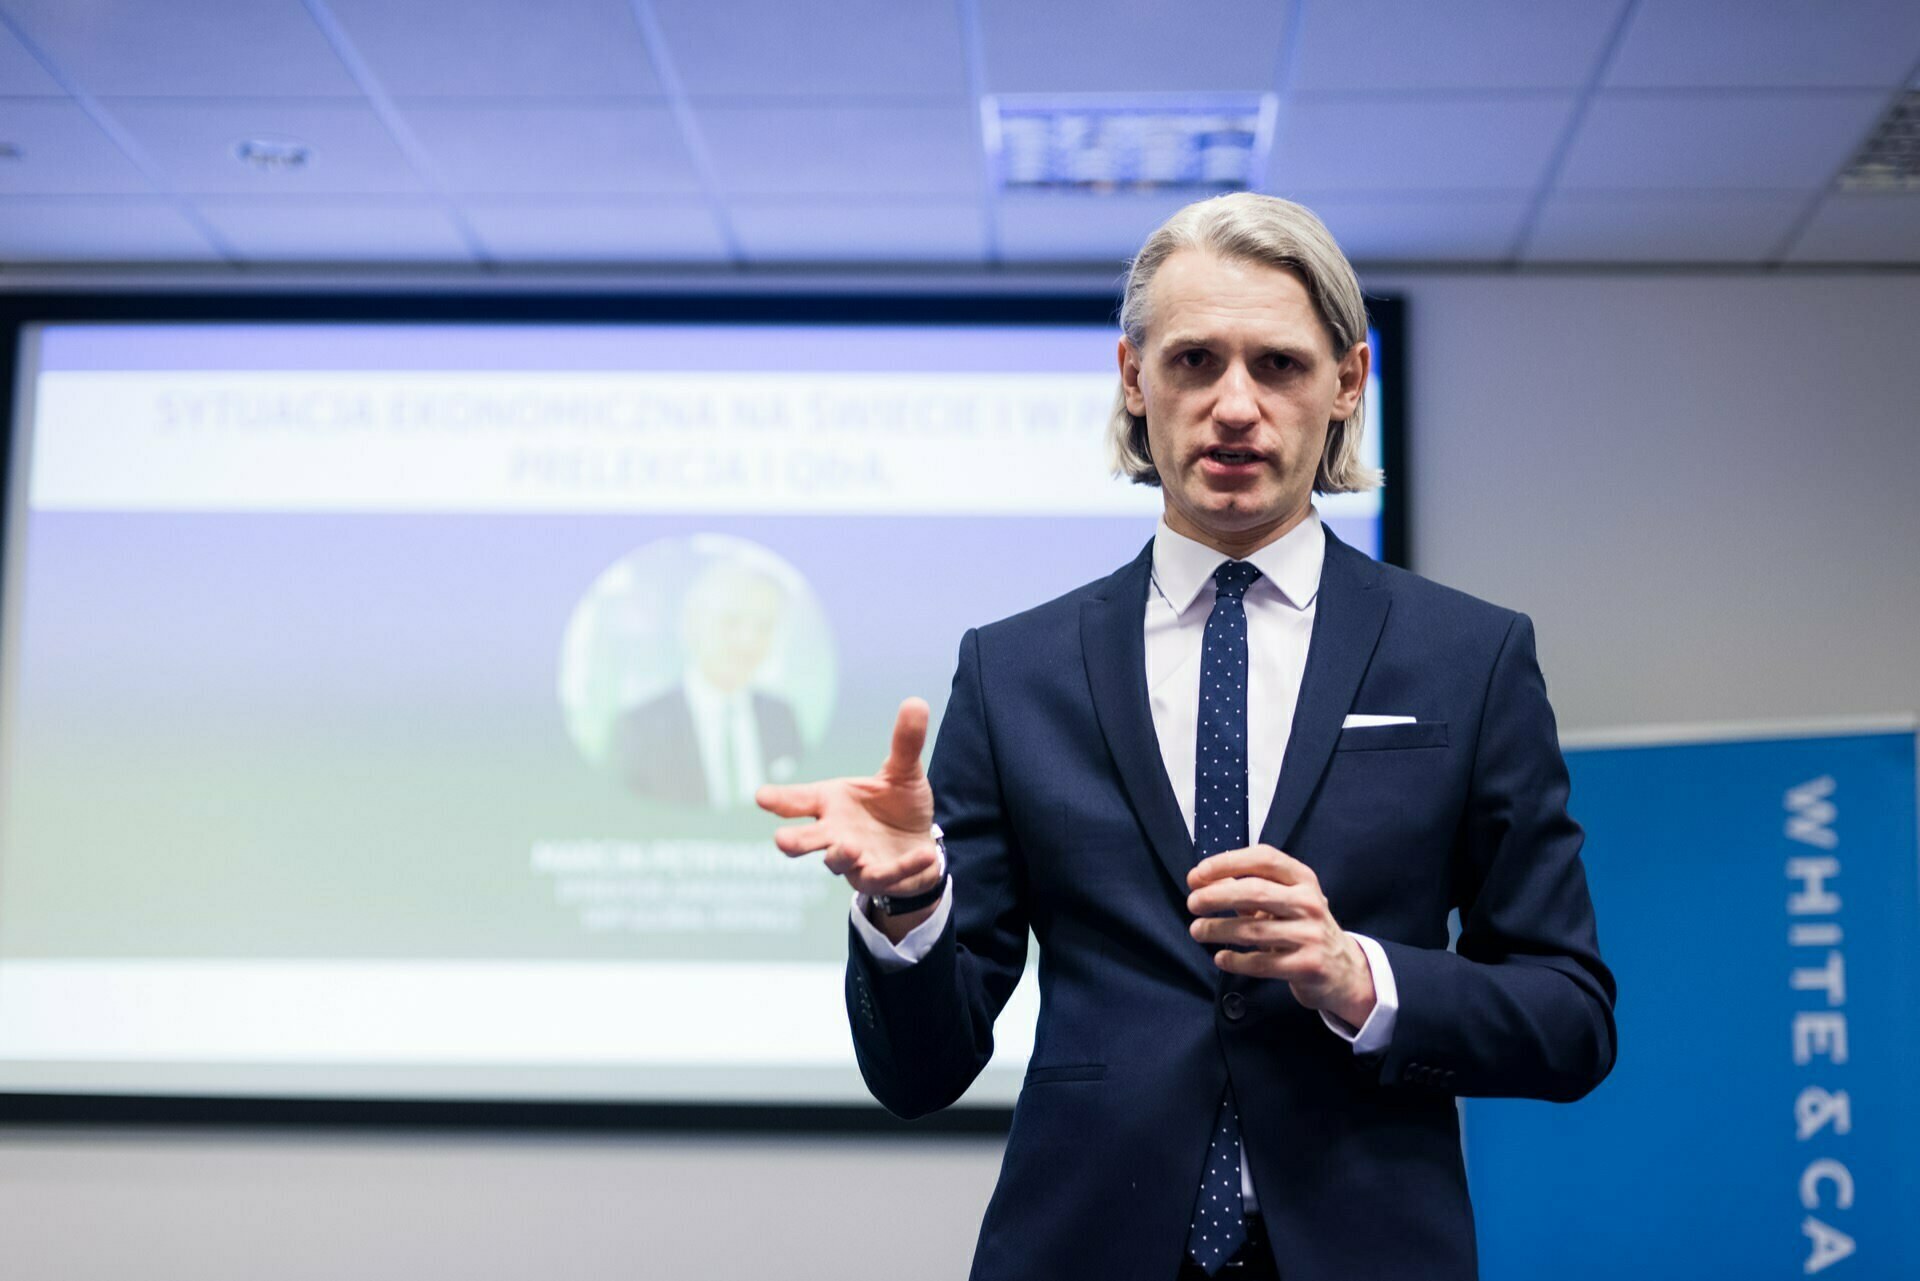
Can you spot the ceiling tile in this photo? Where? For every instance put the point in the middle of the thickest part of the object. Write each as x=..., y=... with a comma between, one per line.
x=1447, y=143
x=1448, y=228
x=859, y=231
x=62, y=152
x=21, y=73
x=210, y=48
x=597, y=231
x=307, y=230
x=1676, y=226
x=1727, y=43
x=825, y=151
x=1858, y=226
x=1074, y=227
x=1462, y=44
x=193, y=144
x=1131, y=46
x=849, y=49
x=1781, y=140
x=541, y=149
x=503, y=49
x=94, y=230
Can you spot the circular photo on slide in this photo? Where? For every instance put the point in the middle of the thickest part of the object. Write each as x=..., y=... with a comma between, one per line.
x=697, y=668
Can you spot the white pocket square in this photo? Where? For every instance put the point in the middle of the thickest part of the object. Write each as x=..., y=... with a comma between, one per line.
x=1364, y=721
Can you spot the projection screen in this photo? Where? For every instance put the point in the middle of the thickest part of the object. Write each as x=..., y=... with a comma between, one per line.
x=352, y=671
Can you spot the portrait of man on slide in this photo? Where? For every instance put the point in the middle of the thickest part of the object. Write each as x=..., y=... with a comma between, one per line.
x=1234, y=790
x=713, y=739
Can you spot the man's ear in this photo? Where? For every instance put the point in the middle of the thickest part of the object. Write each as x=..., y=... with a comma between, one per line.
x=1130, y=380
x=1352, y=375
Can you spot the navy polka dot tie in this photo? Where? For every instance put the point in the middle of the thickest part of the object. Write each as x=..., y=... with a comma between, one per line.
x=1220, y=824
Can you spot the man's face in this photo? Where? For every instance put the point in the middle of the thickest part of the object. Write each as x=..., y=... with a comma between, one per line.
x=731, y=632
x=1238, y=382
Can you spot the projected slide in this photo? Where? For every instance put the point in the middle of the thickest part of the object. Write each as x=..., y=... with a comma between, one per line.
x=383, y=704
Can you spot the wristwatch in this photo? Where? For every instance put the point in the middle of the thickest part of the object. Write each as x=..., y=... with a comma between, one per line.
x=901, y=904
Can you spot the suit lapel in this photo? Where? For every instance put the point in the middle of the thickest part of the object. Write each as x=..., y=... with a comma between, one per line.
x=1113, y=642
x=1351, y=610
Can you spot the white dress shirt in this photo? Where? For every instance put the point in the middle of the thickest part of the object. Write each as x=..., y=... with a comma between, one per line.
x=1279, y=607
x=723, y=719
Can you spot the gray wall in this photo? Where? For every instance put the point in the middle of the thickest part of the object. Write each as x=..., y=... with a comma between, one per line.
x=1706, y=490
x=1701, y=487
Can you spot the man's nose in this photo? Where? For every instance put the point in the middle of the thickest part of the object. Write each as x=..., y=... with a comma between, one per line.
x=1236, y=405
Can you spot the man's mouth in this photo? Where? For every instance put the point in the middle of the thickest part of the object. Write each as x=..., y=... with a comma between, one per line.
x=1234, y=457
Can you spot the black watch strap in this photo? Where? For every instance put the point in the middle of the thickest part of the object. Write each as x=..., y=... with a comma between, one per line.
x=901, y=904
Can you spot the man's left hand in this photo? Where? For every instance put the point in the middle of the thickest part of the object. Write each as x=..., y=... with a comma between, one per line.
x=1282, y=917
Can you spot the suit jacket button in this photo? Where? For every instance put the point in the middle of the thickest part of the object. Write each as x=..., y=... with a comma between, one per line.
x=1234, y=1006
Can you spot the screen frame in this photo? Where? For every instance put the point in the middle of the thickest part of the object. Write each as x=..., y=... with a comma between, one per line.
x=489, y=307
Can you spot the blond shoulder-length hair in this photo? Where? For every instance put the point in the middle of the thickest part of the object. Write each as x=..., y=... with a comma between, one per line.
x=1253, y=228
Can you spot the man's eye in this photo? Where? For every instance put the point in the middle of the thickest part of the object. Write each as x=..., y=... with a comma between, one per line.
x=1281, y=361
x=1192, y=359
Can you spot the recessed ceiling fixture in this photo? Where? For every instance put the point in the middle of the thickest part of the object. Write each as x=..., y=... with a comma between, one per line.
x=1102, y=143
x=1890, y=160
x=10, y=151
x=273, y=155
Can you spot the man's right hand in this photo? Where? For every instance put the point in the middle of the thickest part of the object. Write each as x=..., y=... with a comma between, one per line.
x=877, y=832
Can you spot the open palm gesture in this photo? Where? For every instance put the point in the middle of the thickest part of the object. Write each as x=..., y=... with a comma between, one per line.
x=877, y=832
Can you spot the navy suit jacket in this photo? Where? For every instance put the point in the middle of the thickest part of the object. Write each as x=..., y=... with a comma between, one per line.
x=1059, y=819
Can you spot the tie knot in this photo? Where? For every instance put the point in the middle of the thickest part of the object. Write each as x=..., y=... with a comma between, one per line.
x=1234, y=577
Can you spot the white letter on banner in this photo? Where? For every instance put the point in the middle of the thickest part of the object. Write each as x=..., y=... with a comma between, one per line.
x=1830, y=978
x=1814, y=896
x=1816, y=1106
x=1819, y=1033
x=1810, y=814
x=1830, y=1245
x=1826, y=1170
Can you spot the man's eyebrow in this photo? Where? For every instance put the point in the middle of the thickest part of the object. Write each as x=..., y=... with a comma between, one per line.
x=1297, y=350
x=1188, y=340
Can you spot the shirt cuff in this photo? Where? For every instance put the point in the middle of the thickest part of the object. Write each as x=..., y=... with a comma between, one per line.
x=1373, y=1035
x=890, y=956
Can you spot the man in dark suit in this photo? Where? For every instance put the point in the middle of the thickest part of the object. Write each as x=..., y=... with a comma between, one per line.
x=1225, y=1080
x=712, y=740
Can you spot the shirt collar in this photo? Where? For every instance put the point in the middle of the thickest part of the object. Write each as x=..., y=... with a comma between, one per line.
x=1291, y=563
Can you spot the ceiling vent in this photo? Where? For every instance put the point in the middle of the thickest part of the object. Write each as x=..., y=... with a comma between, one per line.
x=1103, y=143
x=1890, y=160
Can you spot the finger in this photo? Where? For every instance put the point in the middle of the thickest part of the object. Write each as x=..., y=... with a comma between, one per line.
x=1256, y=860
x=1269, y=935
x=1248, y=894
x=914, y=866
x=909, y=737
x=804, y=839
x=1259, y=965
x=791, y=800
x=865, y=868
x=841, y=859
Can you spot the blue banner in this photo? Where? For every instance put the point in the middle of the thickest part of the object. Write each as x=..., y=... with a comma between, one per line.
x=1759, y=901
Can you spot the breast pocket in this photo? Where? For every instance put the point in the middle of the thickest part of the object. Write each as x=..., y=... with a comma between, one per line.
x=1387, y=738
